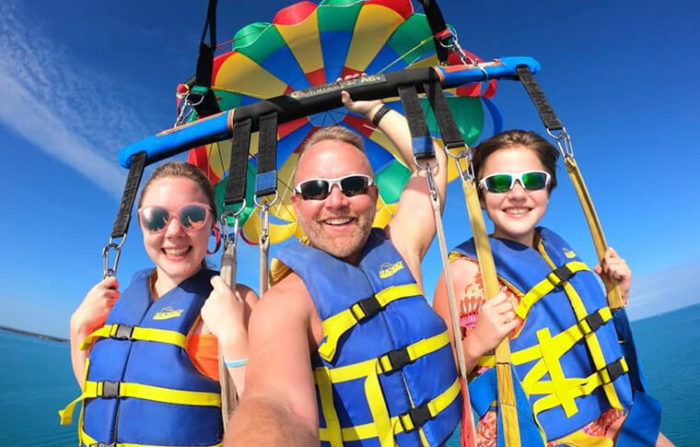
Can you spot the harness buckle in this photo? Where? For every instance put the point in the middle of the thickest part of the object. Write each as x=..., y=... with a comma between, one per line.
x=562, y=273
x=123, y=332
x=594, y=321
x=110, y=389
x=369, y=306
x=614, y=370
x=418, y=416
x=398, y=358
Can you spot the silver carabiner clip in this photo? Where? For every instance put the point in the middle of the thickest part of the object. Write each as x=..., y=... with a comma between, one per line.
x=564, y=144
x=117, y=248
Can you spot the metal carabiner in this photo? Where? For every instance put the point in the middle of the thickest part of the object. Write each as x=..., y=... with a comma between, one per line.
x=231, y=237
x=117, y=247
x=564, y=144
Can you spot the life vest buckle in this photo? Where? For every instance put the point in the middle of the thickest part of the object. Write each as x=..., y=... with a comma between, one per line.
x=123, y=332
x=396, y=359
x=592, y=322
x=369, y=307
x=110, y=389
x=418, y=416
x=562, y=274
x=613, y=370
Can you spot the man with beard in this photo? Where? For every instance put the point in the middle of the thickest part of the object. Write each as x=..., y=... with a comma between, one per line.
x=345, y=347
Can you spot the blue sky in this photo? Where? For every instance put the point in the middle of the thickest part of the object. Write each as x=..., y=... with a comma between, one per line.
x=83, y=79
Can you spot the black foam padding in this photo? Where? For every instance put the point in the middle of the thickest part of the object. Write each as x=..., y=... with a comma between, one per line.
x=547, y=114
x=133, y=179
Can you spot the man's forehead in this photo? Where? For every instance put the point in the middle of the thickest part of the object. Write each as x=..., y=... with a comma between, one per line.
x=326, y=156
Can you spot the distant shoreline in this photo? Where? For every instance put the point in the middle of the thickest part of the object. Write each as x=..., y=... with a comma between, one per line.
x=34, y=334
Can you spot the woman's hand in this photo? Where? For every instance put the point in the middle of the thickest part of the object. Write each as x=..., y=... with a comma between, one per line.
x=367, y=108
x=92, y=312
x=496, y=319
x=614, y=269
x=223, y=313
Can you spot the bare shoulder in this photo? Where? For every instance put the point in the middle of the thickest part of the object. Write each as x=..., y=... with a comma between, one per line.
x=247, y=294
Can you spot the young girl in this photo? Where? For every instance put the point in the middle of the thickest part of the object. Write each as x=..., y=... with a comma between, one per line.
x=151, y=375
x=565, y=351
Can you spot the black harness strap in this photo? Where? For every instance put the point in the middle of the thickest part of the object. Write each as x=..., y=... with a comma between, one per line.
x=420, y=138
x=240, y=146
x=203, y=99
x=451, y=136
x=442, y=36
x=121, y=223
x=266, y=180
x=547, y=115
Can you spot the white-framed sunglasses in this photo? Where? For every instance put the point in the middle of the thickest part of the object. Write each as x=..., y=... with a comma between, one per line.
x=501, y=182
x=319, y=188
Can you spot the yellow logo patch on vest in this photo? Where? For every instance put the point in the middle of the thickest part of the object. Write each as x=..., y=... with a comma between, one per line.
x=167, y=313
x=387, y=269
x=569, y=253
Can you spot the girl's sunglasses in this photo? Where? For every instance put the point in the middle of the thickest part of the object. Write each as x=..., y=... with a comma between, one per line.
x=193, y=216
x=503, y=182
x=319, y=188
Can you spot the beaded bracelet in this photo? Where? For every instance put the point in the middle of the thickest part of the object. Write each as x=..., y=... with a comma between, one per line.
x=383, y=110
x=236, y=363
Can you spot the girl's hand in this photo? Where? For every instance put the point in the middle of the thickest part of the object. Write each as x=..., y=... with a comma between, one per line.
x=92, y=312
x=615, y=270
x=223, y=313
x=367, y=108
x=496, y=319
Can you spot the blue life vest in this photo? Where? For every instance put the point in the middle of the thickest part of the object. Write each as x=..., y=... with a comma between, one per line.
x=567, y=356
x=384, y=372
x=141, y=388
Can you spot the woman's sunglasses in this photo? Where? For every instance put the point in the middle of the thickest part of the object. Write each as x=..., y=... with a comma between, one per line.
x=503, y=182
x=320, y=188
x=193, y=216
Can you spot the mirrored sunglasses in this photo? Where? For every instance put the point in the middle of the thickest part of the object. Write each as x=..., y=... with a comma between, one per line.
x=319, y=188
x=503, y=182
x=193, y=216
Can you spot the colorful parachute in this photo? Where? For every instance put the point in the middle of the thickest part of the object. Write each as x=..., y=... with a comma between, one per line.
x=308, y=45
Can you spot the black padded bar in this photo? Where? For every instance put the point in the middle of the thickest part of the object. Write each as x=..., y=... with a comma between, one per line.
x=240, y=146
x=547, y=114
x=451, y=136
x=420, y=139
x=266, y=180
x=133, y=179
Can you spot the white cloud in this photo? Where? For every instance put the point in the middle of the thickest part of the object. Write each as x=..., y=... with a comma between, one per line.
x=68, y=110
x=669, y=289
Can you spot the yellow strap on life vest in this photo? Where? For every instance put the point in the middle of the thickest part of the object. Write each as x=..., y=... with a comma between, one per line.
x=543, y=287
x=89, y=441
x=93, y=390
x=382, y=364
x=398, y=424
x=137, y=333
x=335, y=326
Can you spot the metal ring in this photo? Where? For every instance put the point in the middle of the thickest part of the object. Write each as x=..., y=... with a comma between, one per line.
x=259, y=203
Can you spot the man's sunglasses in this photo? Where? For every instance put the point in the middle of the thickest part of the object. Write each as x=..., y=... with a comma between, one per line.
x=193, y=216
x=503, y=182
x=320, y=188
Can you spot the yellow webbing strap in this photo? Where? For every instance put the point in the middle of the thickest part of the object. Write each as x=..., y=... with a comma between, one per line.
x=543, y=287
x=89, y=441
x=578, y=387
x=335, y=326
x=398, y=424
x=613, y=291
x=381, y=364
x=92, y=390
x=558, y=382
x=564, y=341
x=504, y=377
x=138, y=333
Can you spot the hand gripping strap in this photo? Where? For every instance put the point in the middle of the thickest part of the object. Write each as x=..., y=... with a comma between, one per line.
x=335, y=326
x=126, y=332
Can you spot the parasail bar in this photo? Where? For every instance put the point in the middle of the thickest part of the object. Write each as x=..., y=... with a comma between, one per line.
x=314, y=100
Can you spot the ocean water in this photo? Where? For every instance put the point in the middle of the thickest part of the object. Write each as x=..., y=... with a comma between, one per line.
x=36, y=381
